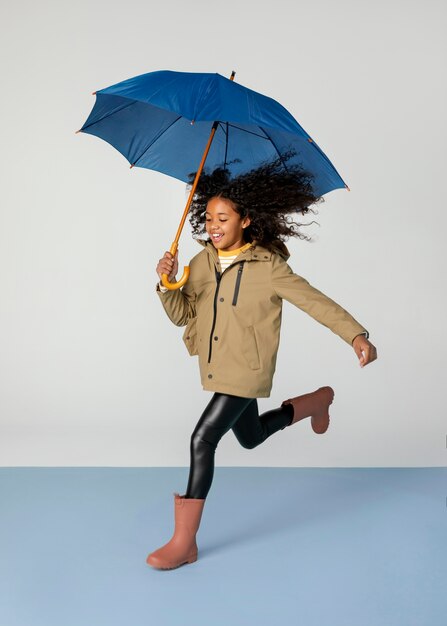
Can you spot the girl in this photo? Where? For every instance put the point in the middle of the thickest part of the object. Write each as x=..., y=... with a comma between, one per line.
x=231, y=307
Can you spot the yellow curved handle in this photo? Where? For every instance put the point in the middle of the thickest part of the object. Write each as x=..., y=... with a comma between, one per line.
x=179, y=283
x=184, y=278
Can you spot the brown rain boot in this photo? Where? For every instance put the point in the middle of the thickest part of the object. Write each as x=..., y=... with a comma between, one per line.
x=182, y=547
x=316, y=405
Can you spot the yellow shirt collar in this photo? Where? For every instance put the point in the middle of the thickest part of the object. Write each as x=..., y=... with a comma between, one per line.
x=235, y=251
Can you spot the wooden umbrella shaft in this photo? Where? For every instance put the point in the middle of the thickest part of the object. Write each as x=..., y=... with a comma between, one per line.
x=196, y=180
x=174, y=246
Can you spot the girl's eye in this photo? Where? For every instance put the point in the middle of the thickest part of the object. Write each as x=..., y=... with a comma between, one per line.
x=219, y=220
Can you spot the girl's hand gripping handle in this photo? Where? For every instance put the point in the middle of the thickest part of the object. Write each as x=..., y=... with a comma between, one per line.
x=168, y=271
x=168, y=265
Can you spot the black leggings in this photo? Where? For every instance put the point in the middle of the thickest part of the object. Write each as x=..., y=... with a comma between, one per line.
x=223, y=412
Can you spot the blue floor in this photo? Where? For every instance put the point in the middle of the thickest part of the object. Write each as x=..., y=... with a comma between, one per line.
x=277, y=546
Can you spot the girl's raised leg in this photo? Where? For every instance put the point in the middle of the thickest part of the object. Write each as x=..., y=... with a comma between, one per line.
x=225, y=411
x=251, y=429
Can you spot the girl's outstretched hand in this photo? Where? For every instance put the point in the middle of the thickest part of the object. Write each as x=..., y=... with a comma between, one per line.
x=364, y=349
x=168, y=265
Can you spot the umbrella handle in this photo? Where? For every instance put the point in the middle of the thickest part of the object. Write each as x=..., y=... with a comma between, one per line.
x=178, y=284
x=183, y=279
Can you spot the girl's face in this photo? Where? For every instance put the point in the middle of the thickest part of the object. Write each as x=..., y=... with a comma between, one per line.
x=224, y=221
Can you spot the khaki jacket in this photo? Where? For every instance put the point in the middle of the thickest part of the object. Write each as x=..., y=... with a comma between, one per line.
x=233, y=320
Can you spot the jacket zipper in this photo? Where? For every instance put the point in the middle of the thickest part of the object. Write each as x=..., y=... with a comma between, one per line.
x=238, y=282
x=218, y=277
x=236, y=292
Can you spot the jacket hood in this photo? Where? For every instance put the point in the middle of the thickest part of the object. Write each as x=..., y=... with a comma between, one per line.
x=278, y=246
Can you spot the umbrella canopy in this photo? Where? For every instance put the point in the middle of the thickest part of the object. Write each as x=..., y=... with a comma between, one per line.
x=162, y=121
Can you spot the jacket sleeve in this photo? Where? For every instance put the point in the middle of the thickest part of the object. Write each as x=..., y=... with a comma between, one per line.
x=296, y=290
x=179, y=304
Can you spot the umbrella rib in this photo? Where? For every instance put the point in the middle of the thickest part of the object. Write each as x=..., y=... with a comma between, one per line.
x=248, y=131
x=108, y=115
x=226, y=147
x=326, y=158
x=226, y=141
x=274, y=145
x=156, y=139
x=223, y=129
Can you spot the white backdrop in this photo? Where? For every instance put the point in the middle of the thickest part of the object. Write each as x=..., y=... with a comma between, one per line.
x=92, y=372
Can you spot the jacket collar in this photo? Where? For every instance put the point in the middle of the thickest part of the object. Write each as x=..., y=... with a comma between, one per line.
x=256, y=252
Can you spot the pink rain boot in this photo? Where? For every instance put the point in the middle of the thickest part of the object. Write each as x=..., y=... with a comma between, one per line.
x=314, y=405
x=182, y=547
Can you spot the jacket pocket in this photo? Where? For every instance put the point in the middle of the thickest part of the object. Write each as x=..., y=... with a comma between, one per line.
x=249, y=347
x=190, y=336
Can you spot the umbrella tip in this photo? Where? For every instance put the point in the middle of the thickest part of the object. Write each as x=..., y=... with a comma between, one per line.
x=77, y=131
x=93, y=93
x=347, y=187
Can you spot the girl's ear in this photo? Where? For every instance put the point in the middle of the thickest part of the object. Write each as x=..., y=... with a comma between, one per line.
x=247, y=221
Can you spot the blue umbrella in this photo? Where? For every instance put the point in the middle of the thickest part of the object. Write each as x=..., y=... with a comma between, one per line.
x=173, y=121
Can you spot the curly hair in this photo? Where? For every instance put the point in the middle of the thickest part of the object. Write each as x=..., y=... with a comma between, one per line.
x=269, y=195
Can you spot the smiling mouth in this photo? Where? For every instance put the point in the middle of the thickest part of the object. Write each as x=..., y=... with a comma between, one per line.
x=217, y=238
